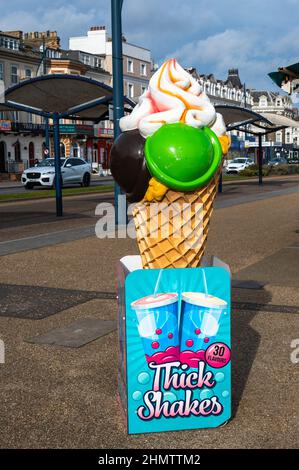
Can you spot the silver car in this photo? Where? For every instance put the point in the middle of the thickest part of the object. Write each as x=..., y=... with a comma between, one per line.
x=73, y=170
x=238, y=164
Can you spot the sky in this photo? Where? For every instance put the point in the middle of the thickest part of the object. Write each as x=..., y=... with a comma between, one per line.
x=255, y=36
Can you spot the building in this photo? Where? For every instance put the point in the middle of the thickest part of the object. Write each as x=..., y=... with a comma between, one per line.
x=230, y=91
x=21, y=134
x=283, y=143
x=78, y=138
x=27, y=55
x=137, y=63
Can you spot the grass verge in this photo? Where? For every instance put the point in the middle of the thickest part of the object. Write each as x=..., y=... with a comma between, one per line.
x=51, y=192
x=234, y=178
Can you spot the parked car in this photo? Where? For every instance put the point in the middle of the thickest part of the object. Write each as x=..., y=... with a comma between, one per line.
x=238, y=164
x=277, y=161
x=73, y=170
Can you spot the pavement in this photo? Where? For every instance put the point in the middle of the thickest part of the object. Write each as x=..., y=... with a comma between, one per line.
x=58, y=397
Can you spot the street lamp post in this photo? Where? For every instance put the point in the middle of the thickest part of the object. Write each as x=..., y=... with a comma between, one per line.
x=58, y=180
x=260, y=159
x=47, y=133
x=118, y=91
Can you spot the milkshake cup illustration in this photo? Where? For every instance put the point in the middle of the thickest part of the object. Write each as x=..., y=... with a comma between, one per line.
x=157, y=317
x=200, y=321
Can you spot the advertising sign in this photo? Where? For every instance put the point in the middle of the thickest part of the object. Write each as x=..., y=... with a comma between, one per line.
x=76, y=129
x=5, y=125
x=175, y=348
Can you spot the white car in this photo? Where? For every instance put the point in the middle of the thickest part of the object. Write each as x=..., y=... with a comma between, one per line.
x=238, y=164
x=73, y=170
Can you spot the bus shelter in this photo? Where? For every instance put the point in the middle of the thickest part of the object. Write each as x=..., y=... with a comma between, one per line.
x=248, y=122
x=61, y=96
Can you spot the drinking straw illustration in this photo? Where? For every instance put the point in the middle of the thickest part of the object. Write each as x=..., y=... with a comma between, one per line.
x=158, y=282
x=205, y=285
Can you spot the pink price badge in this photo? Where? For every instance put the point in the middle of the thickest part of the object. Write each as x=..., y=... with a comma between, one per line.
x=218, y=355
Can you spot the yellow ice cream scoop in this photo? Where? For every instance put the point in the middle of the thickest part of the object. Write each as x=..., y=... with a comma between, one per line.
x=155, y=190
x=225, y=142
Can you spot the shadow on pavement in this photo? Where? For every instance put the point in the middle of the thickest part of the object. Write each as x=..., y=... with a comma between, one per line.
x=11, y=219
x=245, y=343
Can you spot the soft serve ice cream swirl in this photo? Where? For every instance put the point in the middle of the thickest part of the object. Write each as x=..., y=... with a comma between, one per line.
x=173, y=96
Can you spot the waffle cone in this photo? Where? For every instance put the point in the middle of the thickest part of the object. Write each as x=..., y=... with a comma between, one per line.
x=173, y=233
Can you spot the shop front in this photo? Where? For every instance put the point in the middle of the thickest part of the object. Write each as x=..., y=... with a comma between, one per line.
x=75, y=140
x=21, y=144
x=102, y=148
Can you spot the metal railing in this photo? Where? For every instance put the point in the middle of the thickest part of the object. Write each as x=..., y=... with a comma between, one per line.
x=16, y=167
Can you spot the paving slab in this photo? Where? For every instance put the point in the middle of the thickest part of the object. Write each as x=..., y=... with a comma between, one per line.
x=280, y=268
x=77, y=334
x=59, y=397
x=37, y=302
x=66, y=397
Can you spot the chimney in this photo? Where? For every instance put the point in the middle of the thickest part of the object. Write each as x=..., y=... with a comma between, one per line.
x=97, y=28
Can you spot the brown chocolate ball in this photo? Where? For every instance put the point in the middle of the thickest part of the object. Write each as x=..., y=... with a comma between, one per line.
x=128, y=165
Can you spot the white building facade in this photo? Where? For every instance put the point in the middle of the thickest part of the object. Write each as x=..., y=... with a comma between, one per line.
x=230, y=91
x=283, y=143
x=137, y=64
x=22, y=135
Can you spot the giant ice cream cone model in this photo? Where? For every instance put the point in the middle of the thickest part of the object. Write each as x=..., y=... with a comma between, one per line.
x=166, y=248
x=168, y=160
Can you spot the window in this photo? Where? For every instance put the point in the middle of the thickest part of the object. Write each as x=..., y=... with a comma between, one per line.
x=86, y=59
x=75, y=161
x=143, y=89
x=1, y=71
x=62, y=152
x=288, y=138
x=130, y=90
x=263, y=102
x=9, y=43
x=97, y=62
x=143, y=69
x=15, y=115
x=17, y=148
x=28, y=73
x=278, y=102
x=14, y=74
x=279, y=136
x=130, y=66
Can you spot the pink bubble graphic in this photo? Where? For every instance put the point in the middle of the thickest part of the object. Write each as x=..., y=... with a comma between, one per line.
x=155, y=344
x=218, y=355
x=197, y=331
x=189, y=343
x=158, y=331
x=206, y=340
x=170, y=335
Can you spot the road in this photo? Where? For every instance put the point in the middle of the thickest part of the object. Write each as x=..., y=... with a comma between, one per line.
x=36, y=218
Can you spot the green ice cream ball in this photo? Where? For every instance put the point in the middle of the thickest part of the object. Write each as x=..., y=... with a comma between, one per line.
x=182, y=157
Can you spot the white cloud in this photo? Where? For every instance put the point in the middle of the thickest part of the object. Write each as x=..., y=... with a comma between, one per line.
x=256, y=36
x=66, y=20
